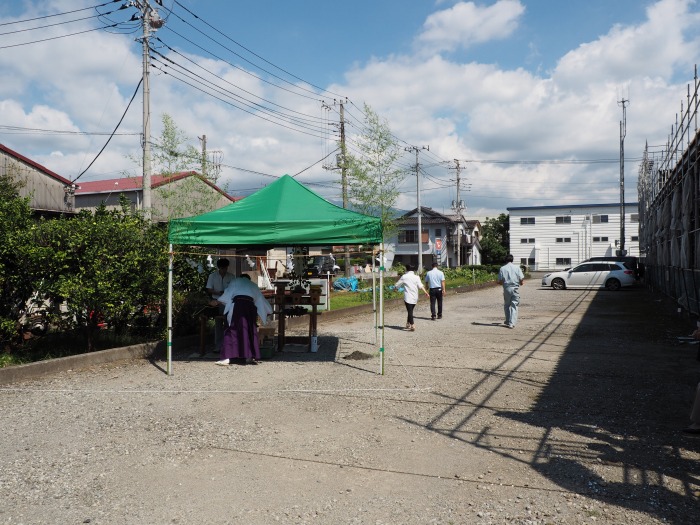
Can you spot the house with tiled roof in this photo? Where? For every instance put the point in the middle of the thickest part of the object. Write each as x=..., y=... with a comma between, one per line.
x=450, y=240
x=49, y=193
x=176, y=195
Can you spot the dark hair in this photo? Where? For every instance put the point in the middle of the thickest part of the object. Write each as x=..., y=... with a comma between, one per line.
x=435, y=265
x=246, y=276
x=222, y=263
x=509, y=258
x=409, y=267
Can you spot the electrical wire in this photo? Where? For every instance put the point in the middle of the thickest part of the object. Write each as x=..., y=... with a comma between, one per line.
x=41, y=131
x=115, y=129
x=59, y=14
x=257, y=77
x=55, y=24
x=316, y=125
x=234, y=105
x=57, y=37
x=251, y=52
x=320, y=160
x=224, y=80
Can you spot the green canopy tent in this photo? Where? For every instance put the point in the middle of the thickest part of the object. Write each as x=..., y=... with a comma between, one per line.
x=285, y=213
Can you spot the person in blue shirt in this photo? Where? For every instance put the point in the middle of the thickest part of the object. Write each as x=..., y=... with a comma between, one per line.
x=512, y=278
x=436, y=285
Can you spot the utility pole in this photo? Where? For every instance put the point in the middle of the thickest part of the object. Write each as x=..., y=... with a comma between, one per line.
x=203, y=140
x=458, y=207
x=623, y=132
x=416, y=149
x=150, y=21
x=344, y=178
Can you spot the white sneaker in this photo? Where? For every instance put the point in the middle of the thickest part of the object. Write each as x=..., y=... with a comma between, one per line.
x=223, y=362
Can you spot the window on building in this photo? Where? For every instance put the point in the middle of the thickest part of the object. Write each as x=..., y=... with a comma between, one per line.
x=438, y=233
x=527, y=220
x=527, y=261
x=563, y=261
x=407, y=236
x=634, y=217
x=566, y=219
x=563, y=239
x=527, y=241
x=600, y=239
x=597, y=219
x=634, y=238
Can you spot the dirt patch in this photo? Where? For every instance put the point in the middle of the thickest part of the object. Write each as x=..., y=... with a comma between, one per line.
x=358, y=356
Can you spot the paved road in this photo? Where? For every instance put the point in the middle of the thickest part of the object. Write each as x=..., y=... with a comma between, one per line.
x=572, y=417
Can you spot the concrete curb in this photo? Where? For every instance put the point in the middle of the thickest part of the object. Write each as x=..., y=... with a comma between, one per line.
x=14, y=374
x=17, y=373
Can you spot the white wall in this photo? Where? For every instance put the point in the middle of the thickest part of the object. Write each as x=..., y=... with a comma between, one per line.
x=571, y=242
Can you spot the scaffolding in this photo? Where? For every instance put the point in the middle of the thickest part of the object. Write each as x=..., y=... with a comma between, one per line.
x=669, y=208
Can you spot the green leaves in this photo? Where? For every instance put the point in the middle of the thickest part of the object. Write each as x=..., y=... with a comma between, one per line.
x=373, y=175
x=495, y=240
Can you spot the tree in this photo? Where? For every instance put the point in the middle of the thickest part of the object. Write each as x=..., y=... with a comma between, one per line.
x=17, y=267
x=171, y=154
x=105, y=266
x=495, y=239
x=373, y=177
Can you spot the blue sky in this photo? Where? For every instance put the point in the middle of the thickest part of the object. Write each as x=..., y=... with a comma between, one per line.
x=491, y=83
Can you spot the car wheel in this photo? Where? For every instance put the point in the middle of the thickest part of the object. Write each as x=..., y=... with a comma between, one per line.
x=558, y=284
x=613, y=285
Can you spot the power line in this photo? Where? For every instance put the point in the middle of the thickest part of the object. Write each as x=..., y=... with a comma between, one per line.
x=307, y=123
x=56, y=24
x=552, y=161
x=258, y=77
x=59, y=36
x=115, y=129
x=40, y=131
x=249, y=51
x=232, y=104
x=226, y=81
x=58, y=14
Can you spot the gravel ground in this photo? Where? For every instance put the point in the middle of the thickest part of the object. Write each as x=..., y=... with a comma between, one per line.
x=572, y=417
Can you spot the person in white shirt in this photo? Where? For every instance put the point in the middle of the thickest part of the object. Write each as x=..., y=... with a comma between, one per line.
x=243, y=303
x=216, y=284
x=411, y=284
x=436, y=284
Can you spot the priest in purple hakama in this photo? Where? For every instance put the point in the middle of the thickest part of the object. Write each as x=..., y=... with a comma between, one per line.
x=243, y=303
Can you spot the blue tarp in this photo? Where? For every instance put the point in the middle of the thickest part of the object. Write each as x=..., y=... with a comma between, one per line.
x=345, y=283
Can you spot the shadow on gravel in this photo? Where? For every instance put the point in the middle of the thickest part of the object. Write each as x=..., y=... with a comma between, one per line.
x=607, y=422
x=328, y=349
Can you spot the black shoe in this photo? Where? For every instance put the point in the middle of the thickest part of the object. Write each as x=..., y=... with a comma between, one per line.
x=432, y=318
x=439, y=317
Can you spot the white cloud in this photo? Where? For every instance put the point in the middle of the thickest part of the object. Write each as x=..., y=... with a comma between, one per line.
x=466, y=24
x=477, y=111
x=666, y=40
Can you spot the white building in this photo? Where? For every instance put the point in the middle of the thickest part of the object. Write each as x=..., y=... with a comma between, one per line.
x=557, y=237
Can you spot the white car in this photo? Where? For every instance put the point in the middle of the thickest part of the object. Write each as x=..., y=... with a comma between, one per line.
x=611, y=275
